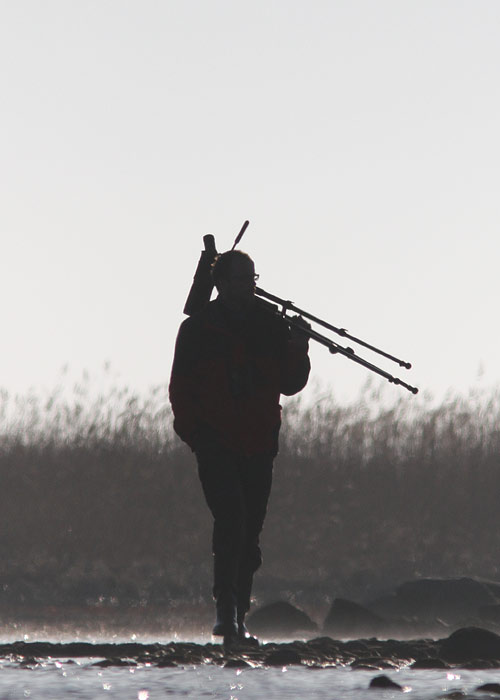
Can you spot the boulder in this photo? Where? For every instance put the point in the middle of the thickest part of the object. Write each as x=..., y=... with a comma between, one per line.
x=385, y=682
x=280, y=619
x=449, y=600
x=469, y=644
x=490, y=614
x=347, y=619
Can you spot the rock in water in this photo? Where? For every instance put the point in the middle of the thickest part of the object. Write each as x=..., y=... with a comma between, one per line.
x=384, y=682
x=490, y=688
x=348, y=619
x=470, y=643
x=281, y=619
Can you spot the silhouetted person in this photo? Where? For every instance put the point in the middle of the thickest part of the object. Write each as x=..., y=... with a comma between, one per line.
x=232, y=361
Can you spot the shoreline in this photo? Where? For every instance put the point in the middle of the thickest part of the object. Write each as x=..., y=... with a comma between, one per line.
x=466, y=648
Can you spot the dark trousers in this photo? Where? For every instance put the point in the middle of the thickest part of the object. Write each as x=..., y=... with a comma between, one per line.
x=237, y=490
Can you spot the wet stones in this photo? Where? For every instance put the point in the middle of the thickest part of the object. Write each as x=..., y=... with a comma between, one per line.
x=237, y=663
x=467, y=648
x=106, y=663
x=429, y=663
x=283, y=657
x=490, y=688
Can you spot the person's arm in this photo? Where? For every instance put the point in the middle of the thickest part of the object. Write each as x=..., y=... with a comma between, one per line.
x=184, y=383
x=296, y=364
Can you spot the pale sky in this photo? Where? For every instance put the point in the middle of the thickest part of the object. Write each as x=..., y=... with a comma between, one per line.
x=360, y=138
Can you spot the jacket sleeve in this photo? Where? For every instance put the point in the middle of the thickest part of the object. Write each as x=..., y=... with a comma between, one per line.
x=183, y=384
x=295, y=366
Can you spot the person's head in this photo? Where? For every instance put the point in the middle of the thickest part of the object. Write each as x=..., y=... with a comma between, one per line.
x=234, y=276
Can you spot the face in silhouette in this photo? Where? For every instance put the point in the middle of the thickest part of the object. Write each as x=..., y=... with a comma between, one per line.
x=237, y=290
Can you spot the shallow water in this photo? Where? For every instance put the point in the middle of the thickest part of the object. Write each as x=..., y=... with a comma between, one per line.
x=81, y=679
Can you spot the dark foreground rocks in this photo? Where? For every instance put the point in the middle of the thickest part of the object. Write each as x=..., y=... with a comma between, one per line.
x=466, y=648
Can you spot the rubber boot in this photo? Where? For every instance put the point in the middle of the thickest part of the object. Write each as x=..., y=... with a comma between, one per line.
x=244, y=592
x=226, y=623
x=244, y=635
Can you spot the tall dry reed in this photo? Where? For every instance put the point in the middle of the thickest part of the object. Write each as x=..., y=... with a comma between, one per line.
x=99, y=501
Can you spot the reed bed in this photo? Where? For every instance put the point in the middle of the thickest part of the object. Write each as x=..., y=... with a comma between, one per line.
x=100, y=503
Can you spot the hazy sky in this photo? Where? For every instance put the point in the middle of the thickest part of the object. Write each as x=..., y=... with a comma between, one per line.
x=360, y=138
